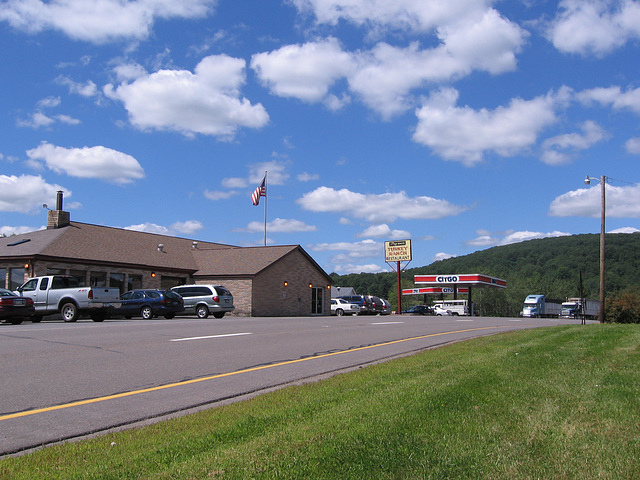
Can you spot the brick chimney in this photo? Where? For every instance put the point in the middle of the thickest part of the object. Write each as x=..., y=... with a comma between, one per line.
x=58, y=218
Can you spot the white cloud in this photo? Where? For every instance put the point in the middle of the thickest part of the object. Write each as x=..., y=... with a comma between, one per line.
x=346, y=268
x=442, y=256
x=88, y=162
x=88, y=89
x=383, y=230
x=384, y=76
x=276, y=173
x=625, y=230
x=488, y=239
x=304, y=71
x=558, y=150
x=281, y=225
x=98, y=21
x=218, y=195
x=364, y=249
x=149, y=228
x=633, y=145
x=595, y=26
x=207, y=101
x=621, y=202
x=613, y=97
x=27, y=193
x=188, y=227
x=386, y=207
x=464, y=134
x=307, y=177
x=9, y=230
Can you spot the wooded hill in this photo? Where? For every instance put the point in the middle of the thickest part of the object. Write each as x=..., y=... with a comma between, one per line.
x=549, y=266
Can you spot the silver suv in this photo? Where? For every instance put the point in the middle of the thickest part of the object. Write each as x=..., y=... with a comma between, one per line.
x=206, y=299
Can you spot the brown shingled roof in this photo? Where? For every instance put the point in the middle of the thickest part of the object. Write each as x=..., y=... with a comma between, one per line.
x=109, y=245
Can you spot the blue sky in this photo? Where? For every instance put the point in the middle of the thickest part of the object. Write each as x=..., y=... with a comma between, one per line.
x=459, y=124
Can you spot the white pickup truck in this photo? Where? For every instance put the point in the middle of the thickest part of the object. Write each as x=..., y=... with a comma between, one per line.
x=61, y=294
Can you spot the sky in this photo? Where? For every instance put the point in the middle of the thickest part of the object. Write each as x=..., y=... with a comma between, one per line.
x=458, y=124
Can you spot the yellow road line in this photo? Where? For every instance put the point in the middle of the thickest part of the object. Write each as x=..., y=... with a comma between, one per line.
x=221, y=375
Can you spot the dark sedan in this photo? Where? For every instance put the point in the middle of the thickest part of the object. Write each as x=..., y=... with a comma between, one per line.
x=419, y=310
x=149, y=303
x=14, y=308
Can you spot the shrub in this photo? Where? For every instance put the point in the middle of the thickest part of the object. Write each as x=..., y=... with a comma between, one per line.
x=624, y=307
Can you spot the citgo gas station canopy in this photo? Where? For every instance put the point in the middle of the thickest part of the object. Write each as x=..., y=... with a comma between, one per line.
x=431, y=290
x=472, y=280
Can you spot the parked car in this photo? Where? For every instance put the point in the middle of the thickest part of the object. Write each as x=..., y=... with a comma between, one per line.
x=340, y=307
x=362, y=300
x=386, y=307
x=148, y=304
x=14, y=308
x=419, y=310
x=203, y=300
x=437, y=310
x=376, y=304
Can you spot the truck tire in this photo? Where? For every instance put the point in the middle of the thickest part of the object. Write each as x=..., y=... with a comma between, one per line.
x=218, y=314
x=202, y=311
x=98, y=316
x=146, y=312
x=36, y=319
x=69, y=312
x=16, y=320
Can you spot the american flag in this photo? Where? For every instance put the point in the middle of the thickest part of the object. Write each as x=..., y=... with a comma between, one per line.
x=261, y=191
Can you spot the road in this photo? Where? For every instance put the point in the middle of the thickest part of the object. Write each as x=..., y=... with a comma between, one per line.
x=64, y=381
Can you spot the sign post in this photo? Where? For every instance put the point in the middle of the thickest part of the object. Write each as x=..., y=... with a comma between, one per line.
x=398, y=251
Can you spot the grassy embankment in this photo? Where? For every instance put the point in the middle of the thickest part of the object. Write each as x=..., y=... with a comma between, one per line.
x=552, y=403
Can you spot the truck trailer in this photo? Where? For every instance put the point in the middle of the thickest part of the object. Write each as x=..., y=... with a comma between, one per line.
x=540, y=306
x=579, y=308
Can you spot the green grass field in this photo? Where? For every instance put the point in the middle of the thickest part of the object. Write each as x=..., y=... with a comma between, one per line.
x=551, y=403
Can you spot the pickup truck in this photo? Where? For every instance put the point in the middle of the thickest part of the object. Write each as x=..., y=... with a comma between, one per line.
x=61, y=294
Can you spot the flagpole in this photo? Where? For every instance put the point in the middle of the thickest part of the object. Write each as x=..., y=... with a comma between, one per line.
x=265, y=208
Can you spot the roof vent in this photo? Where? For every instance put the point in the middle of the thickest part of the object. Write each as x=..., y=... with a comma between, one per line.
x=161, y=247
x=194, y=245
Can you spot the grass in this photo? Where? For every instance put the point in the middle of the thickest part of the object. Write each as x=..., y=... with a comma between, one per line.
x=558, y=403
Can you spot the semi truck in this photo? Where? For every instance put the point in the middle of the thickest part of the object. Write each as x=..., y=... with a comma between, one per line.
x=579, y=308
x=540, y=306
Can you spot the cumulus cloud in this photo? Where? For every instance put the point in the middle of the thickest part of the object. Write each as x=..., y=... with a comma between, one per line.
x=303, y=71
x=383, y=230
x=613, y=97
x=385, y=76
x=350, y=256
x=464, y=134
x=27, y=193
x=218, y=195
x=98, y=21
x=188, y=227
x=621, y=202
x=281, y=225
x=206, y=101
x=594, y=26
x=8, y=230
x=559, y=150
x=633, y=145
x=386, y=207
x=488, y=239
x=88, y=162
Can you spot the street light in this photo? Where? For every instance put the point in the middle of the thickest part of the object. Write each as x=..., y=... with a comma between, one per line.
x=603, y=182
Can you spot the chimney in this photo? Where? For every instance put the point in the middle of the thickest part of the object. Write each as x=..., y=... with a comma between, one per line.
x=58, y=218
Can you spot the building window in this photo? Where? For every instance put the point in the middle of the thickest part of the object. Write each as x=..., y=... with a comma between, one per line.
x=3, y=278
x=56, y=271
x=134, y=282
x=117, y=280
x=168, y=282
x=16, y=277
x=98, y=279
x=80, y=276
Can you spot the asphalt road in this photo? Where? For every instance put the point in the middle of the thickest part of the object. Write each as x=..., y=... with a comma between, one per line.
x=63, y=381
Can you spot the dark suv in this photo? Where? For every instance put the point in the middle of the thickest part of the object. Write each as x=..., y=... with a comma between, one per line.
x=363, y=300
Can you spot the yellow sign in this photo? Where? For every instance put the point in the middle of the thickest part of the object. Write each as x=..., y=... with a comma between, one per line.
x=397, y=251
